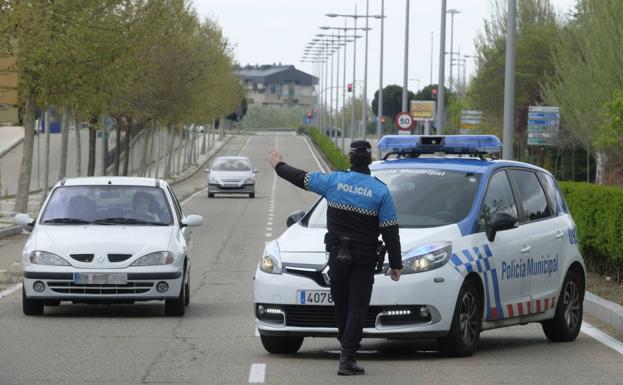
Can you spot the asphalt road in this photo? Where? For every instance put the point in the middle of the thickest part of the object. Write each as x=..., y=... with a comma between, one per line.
x=216, y=343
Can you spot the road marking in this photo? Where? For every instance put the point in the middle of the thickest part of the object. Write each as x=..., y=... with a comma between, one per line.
x=257, y=374
x=602, y=337
x=257, y=332
x=268, y=235
x=10, y=290
x=314, y=155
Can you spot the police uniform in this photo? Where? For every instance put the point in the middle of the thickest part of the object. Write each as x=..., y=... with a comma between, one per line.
x=360, y=208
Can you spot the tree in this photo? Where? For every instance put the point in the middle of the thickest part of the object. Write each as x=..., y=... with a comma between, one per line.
x=392, y=101
x=588, y=76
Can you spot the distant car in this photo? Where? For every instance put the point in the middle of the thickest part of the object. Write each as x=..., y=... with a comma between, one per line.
x=108, y=240
x=231, y=175
x=333, y=131
x=485, y=243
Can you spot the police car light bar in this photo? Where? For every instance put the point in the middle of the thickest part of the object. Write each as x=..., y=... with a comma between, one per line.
x=448, y=144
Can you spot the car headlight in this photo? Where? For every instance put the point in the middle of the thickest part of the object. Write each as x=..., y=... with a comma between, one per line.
x=158, y=258
x=45, y=258
x=249, y=181
x=212, y=179
x=426, y=257
x=271, y=259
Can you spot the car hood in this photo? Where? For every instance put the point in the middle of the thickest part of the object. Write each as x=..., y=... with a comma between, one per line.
x=299, y=244
x=135, y=240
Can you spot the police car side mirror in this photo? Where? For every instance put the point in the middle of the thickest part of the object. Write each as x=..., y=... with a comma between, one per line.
x=295, y=217
x=25, y=221
x=500, y=222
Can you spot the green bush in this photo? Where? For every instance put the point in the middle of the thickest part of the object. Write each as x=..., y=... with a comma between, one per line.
x=598, y=215
x=333, y=154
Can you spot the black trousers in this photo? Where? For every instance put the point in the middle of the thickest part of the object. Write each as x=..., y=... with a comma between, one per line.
x=351, y=288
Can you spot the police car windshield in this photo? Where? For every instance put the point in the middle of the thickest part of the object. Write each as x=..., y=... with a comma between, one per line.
x=422, y=197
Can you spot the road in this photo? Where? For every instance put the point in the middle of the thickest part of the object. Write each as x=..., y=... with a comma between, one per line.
x=216, y=343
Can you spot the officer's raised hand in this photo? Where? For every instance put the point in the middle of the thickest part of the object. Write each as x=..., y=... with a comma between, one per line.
x=274, y=157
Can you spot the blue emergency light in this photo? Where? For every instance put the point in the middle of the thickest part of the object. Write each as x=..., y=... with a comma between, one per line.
x=447, y=144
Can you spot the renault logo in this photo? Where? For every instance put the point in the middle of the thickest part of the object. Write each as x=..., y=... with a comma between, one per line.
x=325, y=275
x=100, y=258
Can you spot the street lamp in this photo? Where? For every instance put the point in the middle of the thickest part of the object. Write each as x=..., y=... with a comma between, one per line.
x=356, y=16
x=442, y=62
x=452, y=12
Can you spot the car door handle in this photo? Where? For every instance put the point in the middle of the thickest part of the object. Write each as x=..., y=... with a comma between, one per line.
x=559, y=234
x=526, y=249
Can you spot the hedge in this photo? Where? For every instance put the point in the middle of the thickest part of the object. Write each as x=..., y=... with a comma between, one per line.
x=598, y=215
x=333, y=154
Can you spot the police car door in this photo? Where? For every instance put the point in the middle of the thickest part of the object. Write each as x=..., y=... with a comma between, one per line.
x=547, y=232
x=506, y=292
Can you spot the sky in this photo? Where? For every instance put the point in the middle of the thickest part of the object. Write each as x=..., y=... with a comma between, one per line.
x=277, y=31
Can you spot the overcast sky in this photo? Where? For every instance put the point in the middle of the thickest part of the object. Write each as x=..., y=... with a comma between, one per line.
x=277, y=31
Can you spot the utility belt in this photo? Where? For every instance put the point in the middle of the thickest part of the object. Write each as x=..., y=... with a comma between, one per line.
x=341, y=247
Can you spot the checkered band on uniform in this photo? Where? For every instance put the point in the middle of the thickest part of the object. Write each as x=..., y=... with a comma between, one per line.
x=358, y=210
x=306, y=181
x=389, y=223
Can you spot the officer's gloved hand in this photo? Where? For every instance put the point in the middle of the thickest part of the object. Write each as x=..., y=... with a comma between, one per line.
x=394, y=274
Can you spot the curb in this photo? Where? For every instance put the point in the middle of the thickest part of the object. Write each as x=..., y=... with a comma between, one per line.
x=13, y=230
x=11, y=145
x=605, y=311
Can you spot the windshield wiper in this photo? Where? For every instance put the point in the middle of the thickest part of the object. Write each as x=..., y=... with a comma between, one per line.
x=126, y=221
x=73, y=221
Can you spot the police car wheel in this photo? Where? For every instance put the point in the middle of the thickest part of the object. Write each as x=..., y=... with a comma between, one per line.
x=464, y=334
x=31, y=306
x=281, y=345
x=565, y=326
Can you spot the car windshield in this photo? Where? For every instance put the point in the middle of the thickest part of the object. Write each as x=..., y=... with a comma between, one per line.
x=107, y=205
x=422, y=197
x=231, y=164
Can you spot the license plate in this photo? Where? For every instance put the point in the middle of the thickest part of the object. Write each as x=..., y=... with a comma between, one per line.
x=314, y=297
x=100, y=279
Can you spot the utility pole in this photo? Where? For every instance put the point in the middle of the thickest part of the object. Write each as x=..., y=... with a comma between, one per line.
x=379, y=115
x=405, y=80
x=442, y=61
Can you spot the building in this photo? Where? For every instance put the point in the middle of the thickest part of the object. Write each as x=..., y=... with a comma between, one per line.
x=278, y=86
x=8, y=91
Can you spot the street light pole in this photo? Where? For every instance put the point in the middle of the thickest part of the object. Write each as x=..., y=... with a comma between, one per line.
x=509, y=81
x=432, y=37
x=352, y=110
x=379, y=115
x=452, y=12
x=364, y=94
x=405, y=79
x=442, y=61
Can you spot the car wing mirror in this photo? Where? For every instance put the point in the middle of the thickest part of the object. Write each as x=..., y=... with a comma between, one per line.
x=255, y=170
x=25, y=221
x=500, y=222
x=295, y=217
x=192, y=221
x=207, y=170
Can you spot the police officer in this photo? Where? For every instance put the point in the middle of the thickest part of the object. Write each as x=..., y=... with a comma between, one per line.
x=360, y=208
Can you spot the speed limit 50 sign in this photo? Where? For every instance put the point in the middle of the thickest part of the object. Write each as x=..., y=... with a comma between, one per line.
x=404, y=121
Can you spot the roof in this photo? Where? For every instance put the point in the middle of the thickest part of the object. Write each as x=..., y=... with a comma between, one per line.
x=110, y=180
x=475, y=165
x=275, y=74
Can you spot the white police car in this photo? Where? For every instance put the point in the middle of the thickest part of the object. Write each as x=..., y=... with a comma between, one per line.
x=486, y=243
x=108, y=240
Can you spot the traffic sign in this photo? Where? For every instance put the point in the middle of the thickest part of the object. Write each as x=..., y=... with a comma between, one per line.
x=404, y=121
x=543, y=125
x=423, y=109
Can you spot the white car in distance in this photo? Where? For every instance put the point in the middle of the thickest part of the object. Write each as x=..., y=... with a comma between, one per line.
x=108, y=240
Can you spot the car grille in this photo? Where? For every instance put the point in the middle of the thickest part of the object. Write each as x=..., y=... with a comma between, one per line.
x=322, y=316
x=118, y=257
x=82, y=257
x=72, y=288
x=315, y=276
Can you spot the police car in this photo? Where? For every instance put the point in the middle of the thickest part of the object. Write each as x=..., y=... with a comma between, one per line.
x=486, y=243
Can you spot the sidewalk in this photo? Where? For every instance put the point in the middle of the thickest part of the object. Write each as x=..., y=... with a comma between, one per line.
x=10, y=136
x=12, y=237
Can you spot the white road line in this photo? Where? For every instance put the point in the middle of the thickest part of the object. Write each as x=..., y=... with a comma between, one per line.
x=257, y=374
x=314, y=155
x=602, y=337
x=268, y=235
x=10, y=290
x=257, y=332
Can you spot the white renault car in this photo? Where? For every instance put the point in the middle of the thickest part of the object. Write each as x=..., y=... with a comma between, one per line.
x=108, y=240
x=485, y=243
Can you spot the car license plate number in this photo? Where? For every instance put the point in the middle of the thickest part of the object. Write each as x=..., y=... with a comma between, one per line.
x=314, y=297
x=100, y=279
